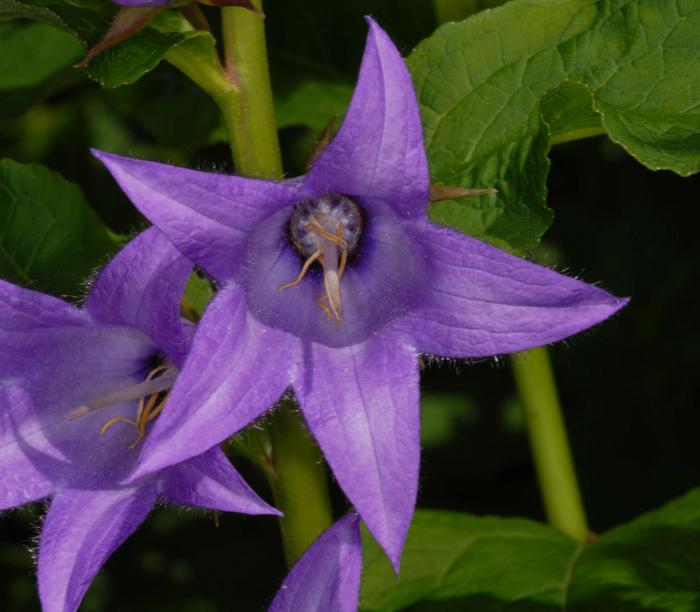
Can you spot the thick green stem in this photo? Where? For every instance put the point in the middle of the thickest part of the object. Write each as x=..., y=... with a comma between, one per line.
x=250, y=115
x=296, y=471
x=285, y=451
x=299, y=483
x=555, y=468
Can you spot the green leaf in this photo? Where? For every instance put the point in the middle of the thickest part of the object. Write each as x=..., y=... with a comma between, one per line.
x=455, y=561
x=198, y=292
x=459, y=562
x=652, y=564
x=569, y=113
x=484, y=85
x=88, y=20
x=130, y=60
x=312, y=103
x=32, y=52
x=50, y=238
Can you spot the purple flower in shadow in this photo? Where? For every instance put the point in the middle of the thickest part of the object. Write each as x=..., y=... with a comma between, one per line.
x=327, y=576
x=78, y=388
x=382, y=285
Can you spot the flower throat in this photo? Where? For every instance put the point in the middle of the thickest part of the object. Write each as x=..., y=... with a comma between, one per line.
x=326, y=229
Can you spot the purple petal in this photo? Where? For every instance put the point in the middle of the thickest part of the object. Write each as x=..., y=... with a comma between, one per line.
x=23, y=309
x=64, y=369
x=210, y=481
x=482, y=301
x=236, y=370
x=81, y=530
x=208, y=216
x=21, y=481
x=327, y=576
x=361, y=403
x=378, y=152
x=141, y=287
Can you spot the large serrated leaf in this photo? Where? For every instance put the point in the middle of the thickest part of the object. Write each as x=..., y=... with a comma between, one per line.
x=455, y=561
x=651, y=564
x=50, y=238
x=481, y=85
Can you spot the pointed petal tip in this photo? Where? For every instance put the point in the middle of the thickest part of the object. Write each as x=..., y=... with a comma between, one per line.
x=394, y=552
x=105, y=157
x=97, y=153
x=612, y=304
x=374, y=28
x=392, y=544
x=265, y=509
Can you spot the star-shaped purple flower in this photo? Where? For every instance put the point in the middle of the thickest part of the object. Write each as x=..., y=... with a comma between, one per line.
x=333, y=284
x=70, y=383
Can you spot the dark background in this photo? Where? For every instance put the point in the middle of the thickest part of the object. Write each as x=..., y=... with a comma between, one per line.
x=627, y=386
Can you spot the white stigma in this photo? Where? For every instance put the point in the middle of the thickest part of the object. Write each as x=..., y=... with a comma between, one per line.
x=127, y=394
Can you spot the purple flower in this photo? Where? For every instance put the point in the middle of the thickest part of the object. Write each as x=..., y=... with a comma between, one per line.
x=327, y=576
x=383, y=285
x=70, y=383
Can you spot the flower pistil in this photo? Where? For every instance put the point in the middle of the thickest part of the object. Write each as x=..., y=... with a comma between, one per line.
x=327, y=230
x=152, y=395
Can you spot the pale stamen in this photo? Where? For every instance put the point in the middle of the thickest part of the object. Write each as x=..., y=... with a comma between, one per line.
x=150, y=396
x=128, y=394
x=331, y=280
x=332, y=273
x=327, y=230
x=304, y=270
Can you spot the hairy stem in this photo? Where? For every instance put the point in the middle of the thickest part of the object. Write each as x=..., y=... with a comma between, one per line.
x=296, y=474
x=299, y=483
x=250, y=116
x=555, y=468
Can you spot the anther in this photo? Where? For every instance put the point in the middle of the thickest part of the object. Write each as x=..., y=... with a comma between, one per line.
x=326, y=230
x=134, y=392
x=152, y=395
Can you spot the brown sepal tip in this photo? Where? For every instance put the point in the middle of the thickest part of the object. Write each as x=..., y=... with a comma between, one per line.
x=440, y=193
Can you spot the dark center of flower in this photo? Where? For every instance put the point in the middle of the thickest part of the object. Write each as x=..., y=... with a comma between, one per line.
x=326, y=229
x=152, y=394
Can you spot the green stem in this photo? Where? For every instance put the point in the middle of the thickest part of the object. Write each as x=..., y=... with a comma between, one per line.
x=299, y=483
x=285, y=451
x=555, y=468
x=571, y=135
x=250, y=116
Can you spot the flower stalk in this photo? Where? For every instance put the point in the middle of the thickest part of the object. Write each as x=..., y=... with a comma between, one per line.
x=298, y=476
x=250, y=115
x=298, y=481
x=550, y=446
